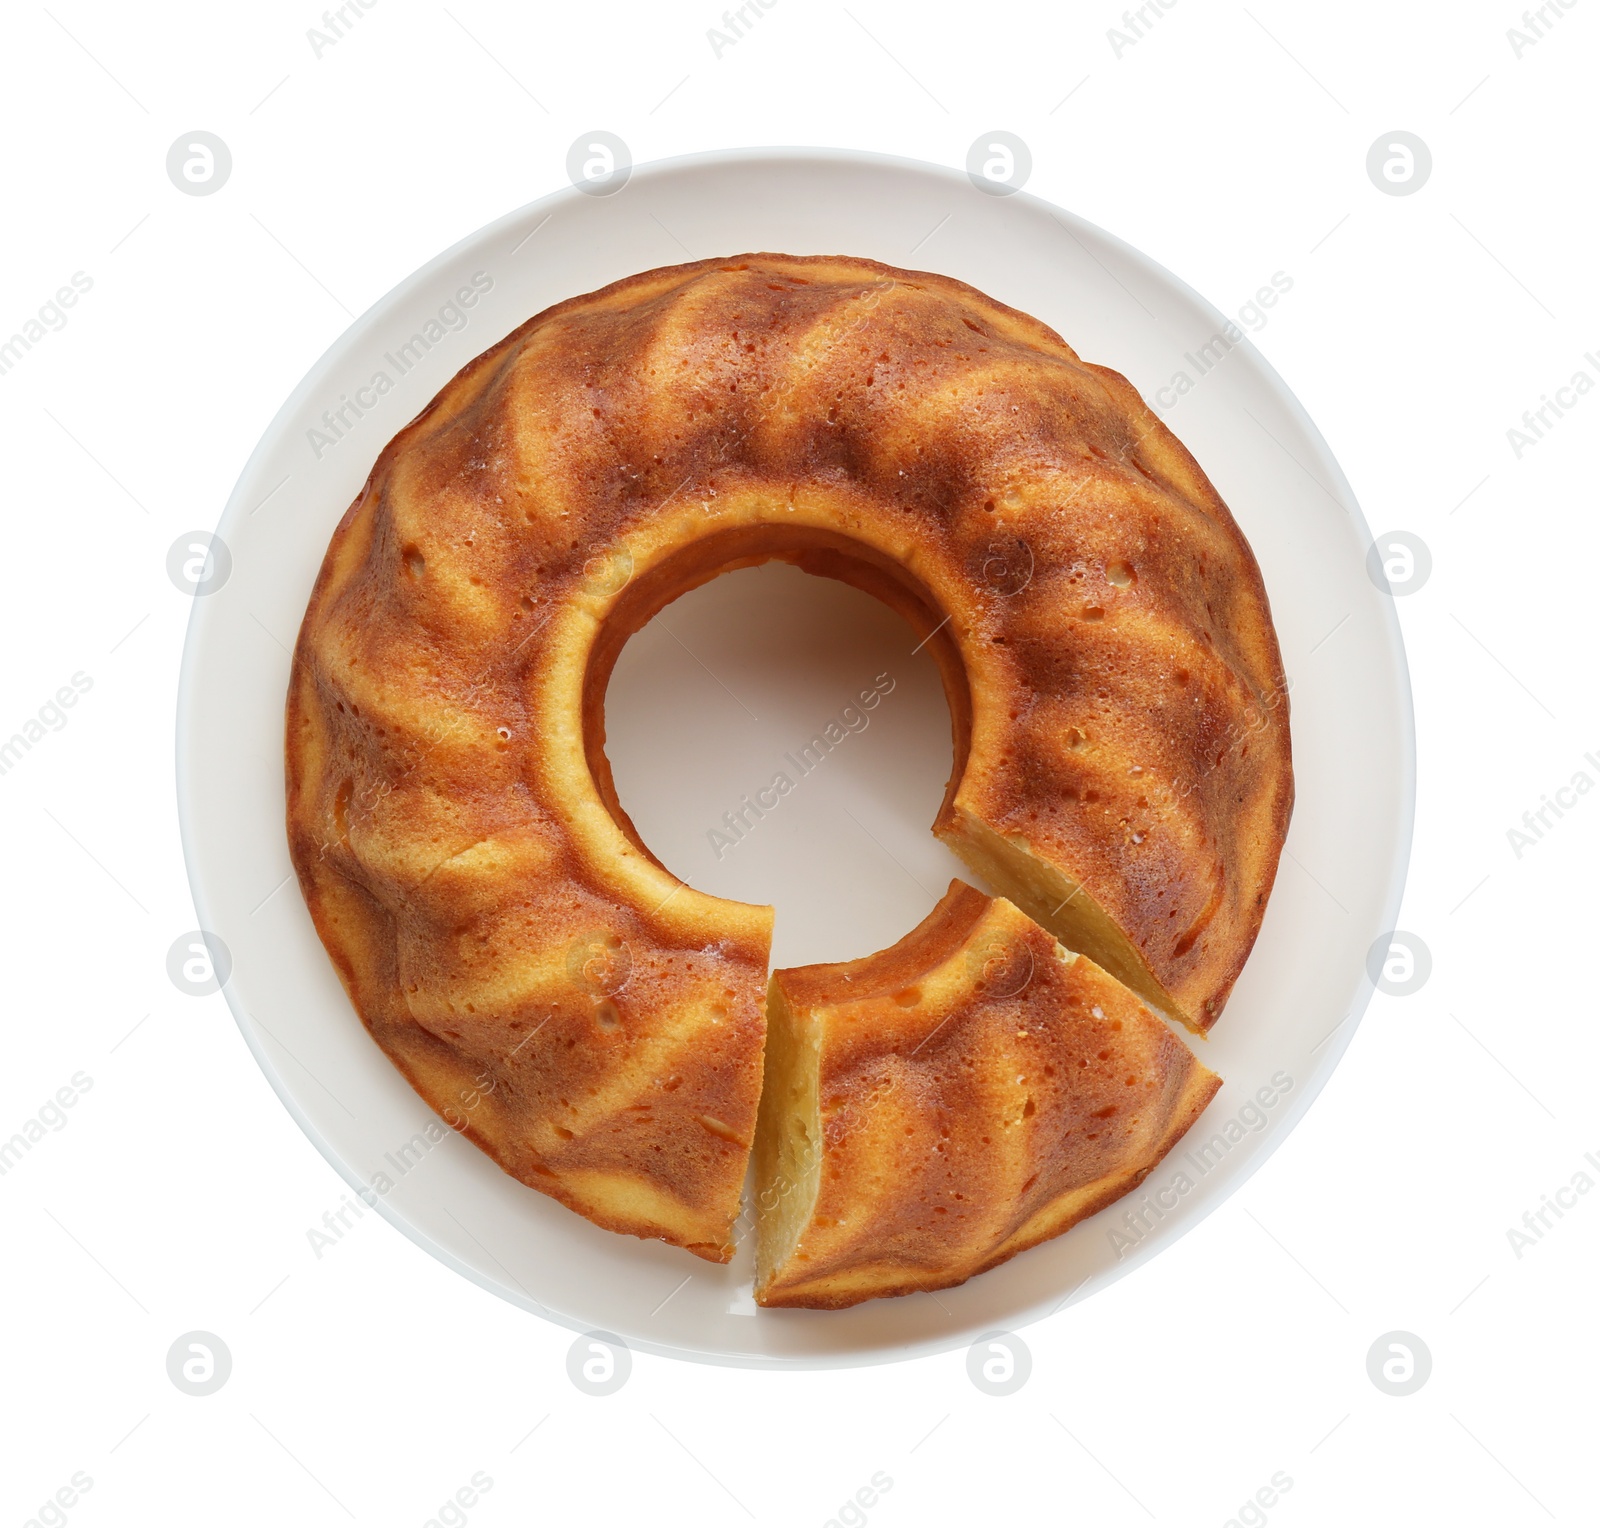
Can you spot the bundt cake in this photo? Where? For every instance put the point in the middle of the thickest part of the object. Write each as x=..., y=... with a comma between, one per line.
x=1121, y=767
x=936, y=1108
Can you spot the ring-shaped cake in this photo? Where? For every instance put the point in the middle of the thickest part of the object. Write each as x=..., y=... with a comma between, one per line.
x=1121, y=743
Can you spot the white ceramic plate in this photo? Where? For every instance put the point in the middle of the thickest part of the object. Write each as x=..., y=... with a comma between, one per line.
x=1339, y=887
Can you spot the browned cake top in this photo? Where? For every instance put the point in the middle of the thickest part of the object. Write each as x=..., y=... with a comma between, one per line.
x=1101, y=624
x=978, y=1089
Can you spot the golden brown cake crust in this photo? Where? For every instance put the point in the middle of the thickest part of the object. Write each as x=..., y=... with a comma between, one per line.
x=1114, y=681
x=978, y=1090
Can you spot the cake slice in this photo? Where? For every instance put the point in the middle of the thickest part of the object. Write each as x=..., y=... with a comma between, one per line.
x=936, y=1108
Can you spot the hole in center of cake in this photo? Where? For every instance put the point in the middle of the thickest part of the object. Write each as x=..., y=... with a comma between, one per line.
x=777, y=737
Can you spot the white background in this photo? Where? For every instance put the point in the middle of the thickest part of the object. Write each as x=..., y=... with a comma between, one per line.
x=371, y=1383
